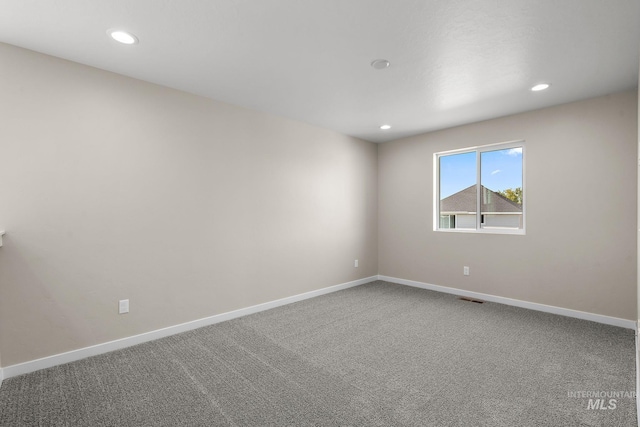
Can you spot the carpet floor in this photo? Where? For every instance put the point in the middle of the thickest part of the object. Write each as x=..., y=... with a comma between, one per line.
x=379, y=354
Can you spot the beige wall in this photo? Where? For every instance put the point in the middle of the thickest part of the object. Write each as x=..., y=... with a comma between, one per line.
x=581, y=191
x=112, y=188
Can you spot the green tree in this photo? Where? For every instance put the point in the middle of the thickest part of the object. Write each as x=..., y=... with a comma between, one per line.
x=513, y=194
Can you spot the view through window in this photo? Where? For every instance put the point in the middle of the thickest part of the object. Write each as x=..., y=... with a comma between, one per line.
x=481, y=189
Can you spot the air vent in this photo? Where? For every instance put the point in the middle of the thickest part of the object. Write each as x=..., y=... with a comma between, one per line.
x=477, y=301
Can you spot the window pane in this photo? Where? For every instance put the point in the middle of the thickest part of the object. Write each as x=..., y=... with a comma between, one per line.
x=501, y=186
x=458, y=192
x=447, y=221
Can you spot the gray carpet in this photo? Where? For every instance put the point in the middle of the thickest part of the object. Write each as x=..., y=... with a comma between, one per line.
x=376, y=355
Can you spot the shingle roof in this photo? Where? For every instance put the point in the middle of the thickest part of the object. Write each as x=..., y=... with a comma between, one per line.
x=465, y=201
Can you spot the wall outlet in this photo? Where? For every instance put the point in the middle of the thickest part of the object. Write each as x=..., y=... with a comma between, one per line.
x=355, y=263
x=123, y=306
x=465, y=270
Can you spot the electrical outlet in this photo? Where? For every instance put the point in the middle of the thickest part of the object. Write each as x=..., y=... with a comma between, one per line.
x=465, y=270
x=123, y=306
x=355, y=263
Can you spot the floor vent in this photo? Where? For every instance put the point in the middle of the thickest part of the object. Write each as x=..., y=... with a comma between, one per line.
x=477, y=301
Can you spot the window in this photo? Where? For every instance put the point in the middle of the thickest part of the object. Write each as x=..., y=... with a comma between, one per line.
x=447, y=221
x=480, y=189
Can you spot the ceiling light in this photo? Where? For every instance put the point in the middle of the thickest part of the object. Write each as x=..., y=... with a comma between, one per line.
x=541, y=86
x=123, y=36
x=380, y=64
x=385, y=127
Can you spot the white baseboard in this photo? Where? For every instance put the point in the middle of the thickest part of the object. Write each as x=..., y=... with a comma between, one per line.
x=71, y=356
x=607, y=320
x=637, y=378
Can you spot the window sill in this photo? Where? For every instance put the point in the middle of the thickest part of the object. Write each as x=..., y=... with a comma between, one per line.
x=490, y=230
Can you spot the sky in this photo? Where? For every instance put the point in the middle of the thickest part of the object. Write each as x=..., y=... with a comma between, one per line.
x=500, y=169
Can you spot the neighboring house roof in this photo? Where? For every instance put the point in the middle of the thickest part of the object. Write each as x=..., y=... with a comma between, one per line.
x=465, y=201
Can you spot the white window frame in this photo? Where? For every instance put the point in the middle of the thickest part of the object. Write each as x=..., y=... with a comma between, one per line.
x=478, y=150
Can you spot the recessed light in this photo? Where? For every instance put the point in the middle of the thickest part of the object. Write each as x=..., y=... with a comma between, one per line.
x=380, y=64
x=385, y=127
x=541, y=86
x=123, y=36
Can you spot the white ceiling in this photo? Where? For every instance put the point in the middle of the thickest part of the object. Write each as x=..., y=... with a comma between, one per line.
x=452, y=61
